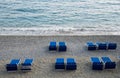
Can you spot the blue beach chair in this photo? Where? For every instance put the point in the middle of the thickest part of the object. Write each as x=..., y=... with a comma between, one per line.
x=112, y=46
x=71, y=64
x=108, y=63
x=62, y=46
x=60, y=63
x=52, y=46
x=26, y=66
x=96, y=63
x=13, y=66
x=102, y=45
x=91, y=46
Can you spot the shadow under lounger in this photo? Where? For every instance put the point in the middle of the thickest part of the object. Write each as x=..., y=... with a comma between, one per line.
x=96, y=63
x=13, y=66
x=108, y=63
x=26, y=66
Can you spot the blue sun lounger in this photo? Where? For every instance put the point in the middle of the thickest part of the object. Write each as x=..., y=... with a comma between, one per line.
x=112, y=46
x=26, y=66
x=108, y=63
x=13, y=66
x=52, y=46
x=96, y=63
x=60, y=63
x=91, y=46
x=71, y=64
x=62, y=46
x=101, y=45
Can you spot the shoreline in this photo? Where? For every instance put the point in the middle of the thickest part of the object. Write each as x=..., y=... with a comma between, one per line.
x=64, y=34
x=67, y=35
x=58, y=31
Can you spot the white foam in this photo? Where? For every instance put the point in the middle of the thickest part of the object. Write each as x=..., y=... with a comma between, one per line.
x=58, y=31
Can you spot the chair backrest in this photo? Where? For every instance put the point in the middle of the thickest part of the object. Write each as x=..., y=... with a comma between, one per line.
x=15, y=61
x=70, y=60
x=28, y=62
x=102, y=44
x=53, y=43
x=90, y=43
x=60, y=60
x=61, y=43
x=106, y=59
x=95, y=59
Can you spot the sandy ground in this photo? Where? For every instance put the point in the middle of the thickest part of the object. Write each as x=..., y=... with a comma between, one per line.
x=36, y=47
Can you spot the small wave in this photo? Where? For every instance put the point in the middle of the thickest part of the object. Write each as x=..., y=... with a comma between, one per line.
x=109, y=3
x=113, y=3
x=26, y=10
x=2, y=7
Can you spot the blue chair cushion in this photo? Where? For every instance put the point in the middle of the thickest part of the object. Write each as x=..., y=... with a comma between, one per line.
x=70, y=60
x=112, y=46
x=52, y=46
x=27, y=62
x=91, y=46
x=71, y=64
x=62, y=46
x=11, y=67
x=15, y=61
x=59, y=63
x=95, y=59
x=96, y=63
x=97, y=66
x=102, y=45
x=108, y=63
x=106, y=59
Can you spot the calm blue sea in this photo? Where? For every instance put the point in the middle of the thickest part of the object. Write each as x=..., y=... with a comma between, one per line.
x=83, y=15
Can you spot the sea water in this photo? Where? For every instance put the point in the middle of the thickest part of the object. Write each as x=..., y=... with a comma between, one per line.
x=63, y=16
